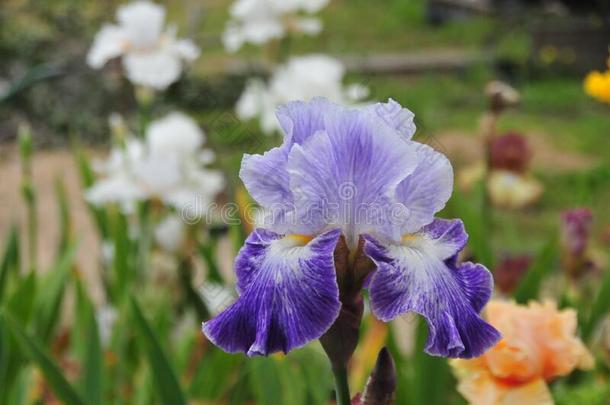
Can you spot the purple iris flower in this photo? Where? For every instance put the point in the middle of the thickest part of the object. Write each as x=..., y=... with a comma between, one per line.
x=352, y=176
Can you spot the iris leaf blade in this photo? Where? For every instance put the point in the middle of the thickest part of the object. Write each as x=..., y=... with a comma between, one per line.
x=165, y=379
x=601, y=306
x=48, y=301
x=52, y=373
x=10, y=259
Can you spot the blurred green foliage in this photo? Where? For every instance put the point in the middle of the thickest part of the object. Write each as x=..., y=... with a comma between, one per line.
x=146, y=361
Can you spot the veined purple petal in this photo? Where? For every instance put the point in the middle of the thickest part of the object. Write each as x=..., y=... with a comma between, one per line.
x=288, y=295
x=425, y=191
x=300, y=119
x=346, y=176
x=355, y=169
x=396, y=117
x=449, y=235
x=266, y=178
x=421, y=275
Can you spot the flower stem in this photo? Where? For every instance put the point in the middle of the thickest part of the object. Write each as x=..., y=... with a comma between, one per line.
x=29, y=193
x=341, y=386
x=145, y=237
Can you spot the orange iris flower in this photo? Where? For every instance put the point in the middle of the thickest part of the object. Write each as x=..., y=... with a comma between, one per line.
x=539, y=343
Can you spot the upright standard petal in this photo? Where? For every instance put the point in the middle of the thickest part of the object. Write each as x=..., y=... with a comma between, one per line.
x=396, y=117
x=266, y=178
x=142, y=21
x=421, y=275
x=346, y=176
x=194, y=195
x=118, y=188
x=427, y=189
x=186, y=49
x=156, y=69
x=176, y=133
x=109, y=43
x=288, y=294
x=300, y=120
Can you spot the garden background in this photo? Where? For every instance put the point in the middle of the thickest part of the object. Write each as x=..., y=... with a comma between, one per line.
x=436, y=58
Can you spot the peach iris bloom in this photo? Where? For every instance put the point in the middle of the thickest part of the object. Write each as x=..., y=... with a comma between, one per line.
x=539, y=344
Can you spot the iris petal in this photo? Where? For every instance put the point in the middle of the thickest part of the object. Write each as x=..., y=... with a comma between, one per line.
x=156, y=69
x=396, y=117
x=354, y=168
x=288, y=295
x=266, y=178
x=421, y=275
x=427, y=189
x=108, y=44
x=346, y=176
x=300, y=119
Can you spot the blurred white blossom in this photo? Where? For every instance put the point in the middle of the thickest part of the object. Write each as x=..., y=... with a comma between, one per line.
x=170, y=233
x=167, y=166
x=117, y=186
x=259, y=21
x=107, y=252
x=301, y=78
x=152, y=55
x=106, y=317
x=512, y=190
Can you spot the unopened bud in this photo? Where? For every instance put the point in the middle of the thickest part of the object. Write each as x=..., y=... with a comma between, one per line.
x=576, y=227
x=381, y=385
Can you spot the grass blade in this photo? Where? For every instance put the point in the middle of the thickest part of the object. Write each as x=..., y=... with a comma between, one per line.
x=265, y=382
x=87, y=179
x=123, y=272
x=10, y=259
x=475, y=224
x=48, y=302
x=92, y=366
x=88, y=346
x=165, y=379
x=428, y=368
x=20, y=304
x=214, y=375
x=58, y=383
x=207, y=252
x=601, y=306
x=63, y=214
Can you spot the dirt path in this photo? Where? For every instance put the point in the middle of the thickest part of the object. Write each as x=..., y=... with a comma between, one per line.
x=464, y=149
x=47, y=167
